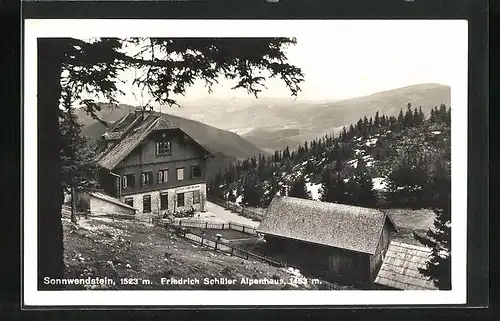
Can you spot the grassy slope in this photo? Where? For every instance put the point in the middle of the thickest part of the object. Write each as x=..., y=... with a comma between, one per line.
x=127, y=249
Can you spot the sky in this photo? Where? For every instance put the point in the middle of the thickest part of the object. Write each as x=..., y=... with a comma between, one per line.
x=352, y=58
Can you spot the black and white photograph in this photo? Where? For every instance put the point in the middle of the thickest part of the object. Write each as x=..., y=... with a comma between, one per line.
x=325, y=158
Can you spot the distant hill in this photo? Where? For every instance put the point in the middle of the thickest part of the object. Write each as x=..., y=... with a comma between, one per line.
x=380, y=148
x=272, y=123
x=222, y=141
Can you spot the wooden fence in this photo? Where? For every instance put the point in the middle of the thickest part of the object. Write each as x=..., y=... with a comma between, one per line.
x=225, y=248
x=215, y=225
x=236, y=208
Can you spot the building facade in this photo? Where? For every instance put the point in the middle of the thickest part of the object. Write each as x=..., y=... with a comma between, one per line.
x=152, y=165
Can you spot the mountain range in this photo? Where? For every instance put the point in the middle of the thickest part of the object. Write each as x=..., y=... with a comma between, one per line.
x=241, y=128
x=272, y=123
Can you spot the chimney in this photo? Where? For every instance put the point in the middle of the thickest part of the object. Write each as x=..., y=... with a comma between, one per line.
x=138, y=112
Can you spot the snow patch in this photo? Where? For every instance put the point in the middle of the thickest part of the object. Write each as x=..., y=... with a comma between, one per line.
x=314, y=190
x=239, y=199
x=379, y=183
x=371, y=142
x=353, y=163
x=359, y=152
x=437, y=132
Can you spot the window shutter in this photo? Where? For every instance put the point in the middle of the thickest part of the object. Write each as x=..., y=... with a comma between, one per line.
x=143, y=179
x=160, y=177
x=124, y=181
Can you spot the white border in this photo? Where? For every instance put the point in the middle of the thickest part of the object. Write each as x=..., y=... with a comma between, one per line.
x=238, y=28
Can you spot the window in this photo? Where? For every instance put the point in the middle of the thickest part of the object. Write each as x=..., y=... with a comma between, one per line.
x=162, y=176
x=128, y=181
x=180, y=199
x=129, y=201
x=163, y=147
x=146, y=204
x=195, y=171
x=147, y=178
x=180, y=174
x=164, y=201
x=196, y=197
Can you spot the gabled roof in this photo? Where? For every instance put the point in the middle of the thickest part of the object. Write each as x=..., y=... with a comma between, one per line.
x=400, y=267
x=110, y=199
x=342, y=226
x=133, y=136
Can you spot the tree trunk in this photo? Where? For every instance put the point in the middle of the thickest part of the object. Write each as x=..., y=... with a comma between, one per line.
x=50, y=193
x=73, y=205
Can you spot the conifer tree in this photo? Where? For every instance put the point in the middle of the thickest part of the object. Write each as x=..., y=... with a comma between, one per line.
x=408, y=117
x=421, y=115
x=438, y=267
x=328, y=186
x=78, y=168
x=416, y=117
x=299, y=189
x=407, y=182
x=340, y=191
x=362, y=194
x=376, y=122
x=252, y=192
x=400, y=119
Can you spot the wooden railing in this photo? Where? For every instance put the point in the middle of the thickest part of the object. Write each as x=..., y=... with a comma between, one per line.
x=225, y=248
x=209, y=225
x=236, y=208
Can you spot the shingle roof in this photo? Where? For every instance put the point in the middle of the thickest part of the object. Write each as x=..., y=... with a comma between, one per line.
x=110, y=199
x=400, y=267
x=127, y=144
x=343, y=226
x=112, y=135
x=134, y=134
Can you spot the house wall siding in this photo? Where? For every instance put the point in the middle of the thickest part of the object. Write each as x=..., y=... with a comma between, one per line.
x=329, y=263
x=172, y=181
x=184, y=154
x=377, y=258
x=145, y=153
x=172, y=199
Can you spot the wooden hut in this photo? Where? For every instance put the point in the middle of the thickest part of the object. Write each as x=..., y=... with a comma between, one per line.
x=338, y=242
x=399, y=270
